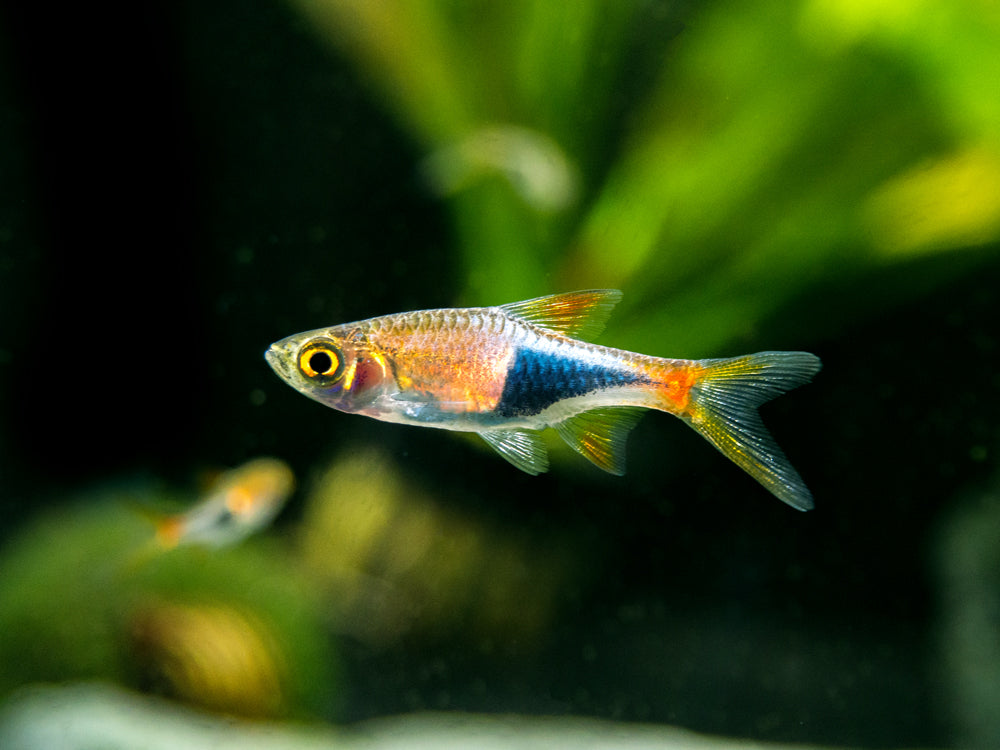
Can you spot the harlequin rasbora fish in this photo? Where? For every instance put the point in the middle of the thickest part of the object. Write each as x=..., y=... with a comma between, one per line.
x=510, y=371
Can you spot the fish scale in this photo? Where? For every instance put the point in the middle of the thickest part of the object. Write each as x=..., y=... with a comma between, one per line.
x=540, y=377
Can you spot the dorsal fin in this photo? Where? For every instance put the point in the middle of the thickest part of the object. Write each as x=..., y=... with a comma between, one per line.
x=580, y=315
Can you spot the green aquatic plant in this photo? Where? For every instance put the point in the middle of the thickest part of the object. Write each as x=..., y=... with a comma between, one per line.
x=398, y=563
x=87, y=592
x=718, y=163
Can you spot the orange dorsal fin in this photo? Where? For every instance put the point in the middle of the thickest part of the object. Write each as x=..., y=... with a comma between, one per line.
x=580, y=315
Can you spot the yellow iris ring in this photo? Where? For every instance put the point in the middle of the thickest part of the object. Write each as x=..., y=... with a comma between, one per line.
x=308, y=362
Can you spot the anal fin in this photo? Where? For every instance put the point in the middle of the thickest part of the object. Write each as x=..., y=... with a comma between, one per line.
x=599, y=435
x=523, y=448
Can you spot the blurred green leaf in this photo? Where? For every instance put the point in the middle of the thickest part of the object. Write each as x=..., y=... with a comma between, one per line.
x=88, y=593
x=767, y=149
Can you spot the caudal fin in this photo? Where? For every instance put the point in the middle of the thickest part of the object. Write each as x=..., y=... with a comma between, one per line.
x=723, y=408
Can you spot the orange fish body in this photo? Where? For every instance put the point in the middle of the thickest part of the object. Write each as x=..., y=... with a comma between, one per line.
x=510, y=371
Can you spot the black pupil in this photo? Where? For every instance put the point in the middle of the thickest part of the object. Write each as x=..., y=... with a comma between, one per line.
x=320, y=362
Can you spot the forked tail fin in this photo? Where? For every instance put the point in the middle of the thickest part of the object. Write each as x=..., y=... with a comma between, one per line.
x=723, y=408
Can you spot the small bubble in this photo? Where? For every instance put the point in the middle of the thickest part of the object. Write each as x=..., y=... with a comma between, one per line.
x=244, y=254
x=257, y=397
x=978, y=453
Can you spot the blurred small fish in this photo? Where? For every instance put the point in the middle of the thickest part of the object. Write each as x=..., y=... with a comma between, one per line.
x=509, y=372
x=242, y=501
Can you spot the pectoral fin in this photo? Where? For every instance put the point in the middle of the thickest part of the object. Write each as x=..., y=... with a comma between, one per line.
x=421, y=407
x=599, y=435
x=578, y=314
x=525, y=449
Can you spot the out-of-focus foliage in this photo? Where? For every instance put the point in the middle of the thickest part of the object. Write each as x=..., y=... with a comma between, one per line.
x=394, y=562
x=88, y=593
x=96, y=591
x=726, y=166
x=966, y=562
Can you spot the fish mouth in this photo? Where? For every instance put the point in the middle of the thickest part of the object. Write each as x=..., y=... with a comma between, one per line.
x=277, y=362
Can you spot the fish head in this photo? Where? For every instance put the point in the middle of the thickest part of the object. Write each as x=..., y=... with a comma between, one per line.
x=338, y=367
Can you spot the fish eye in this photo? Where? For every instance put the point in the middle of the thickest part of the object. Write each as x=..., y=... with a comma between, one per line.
x=321, y=361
